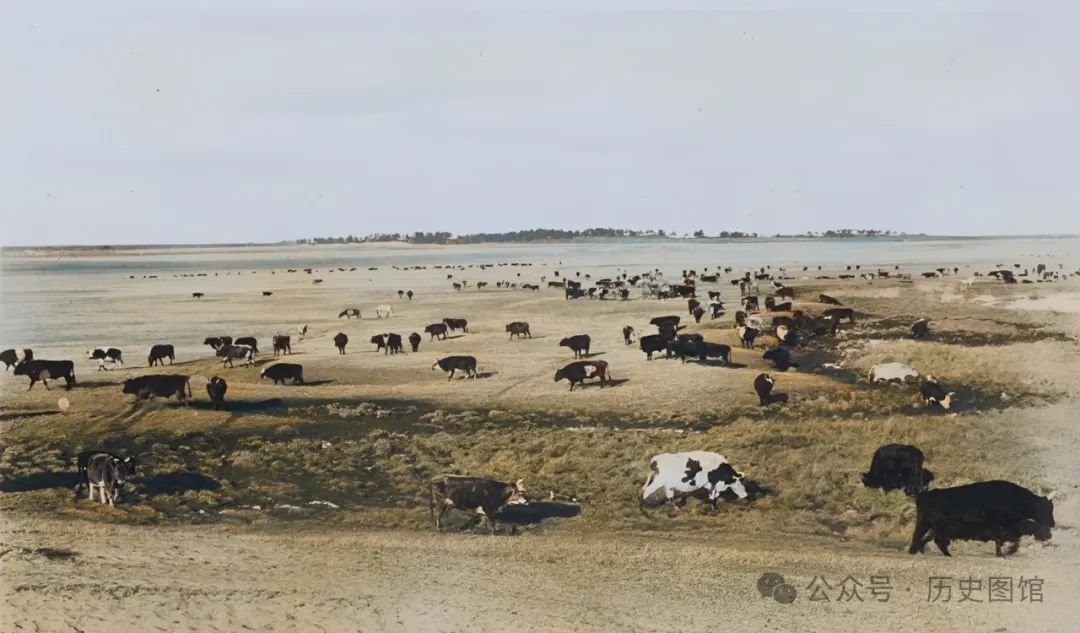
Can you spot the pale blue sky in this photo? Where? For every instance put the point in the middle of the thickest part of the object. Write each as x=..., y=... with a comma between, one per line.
x=134, y=121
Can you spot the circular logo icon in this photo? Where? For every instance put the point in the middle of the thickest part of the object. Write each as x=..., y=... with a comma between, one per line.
x=768, y=582
x=784, y=593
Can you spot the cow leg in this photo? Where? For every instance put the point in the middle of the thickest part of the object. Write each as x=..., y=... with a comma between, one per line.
x=90, y=487
x=942, y=542
x=917, y=538
x=451, y=375
x=1013, y=547
x=997, y=548
x=45, y=382
x=486, y=518
x=442, y=512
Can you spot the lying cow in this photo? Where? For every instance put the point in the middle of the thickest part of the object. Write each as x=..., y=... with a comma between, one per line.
x=159, y=385
x=110, y=355
x=898, y=467
x=158, y=354
x=46, y=370
x=216, y=388
x=340, y=341
x=998, y=511
x=934, y=395
x=578, y=344
x=283, y=371
x=451, y=364
x=104, y=471
x=436, y=329
x=414, y=341
x=578, y=371
x=484, y=497
x=675, y=477
x=887, y=372
x=519, y=329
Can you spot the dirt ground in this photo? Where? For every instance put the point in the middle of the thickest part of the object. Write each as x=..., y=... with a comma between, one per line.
x=303, y=507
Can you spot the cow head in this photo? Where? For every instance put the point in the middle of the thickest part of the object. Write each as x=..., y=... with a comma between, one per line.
x=22, y=369
x=377, y=339
x=90, y=353
x=725, y=477
x=560, y=375
x=124, y=468
x=564, y=342
x=435, y=365
x=517, y=494
x=129, y=386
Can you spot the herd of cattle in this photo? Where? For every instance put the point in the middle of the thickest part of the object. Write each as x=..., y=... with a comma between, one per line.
x=997, y=511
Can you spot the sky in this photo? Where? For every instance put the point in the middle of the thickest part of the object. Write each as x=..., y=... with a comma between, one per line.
x=196, y=121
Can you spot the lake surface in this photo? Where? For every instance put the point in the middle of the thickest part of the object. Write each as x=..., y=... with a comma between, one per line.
x=61, y=303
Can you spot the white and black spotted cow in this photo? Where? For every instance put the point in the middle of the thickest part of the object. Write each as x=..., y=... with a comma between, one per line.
x=104, y=355
x=676, y=477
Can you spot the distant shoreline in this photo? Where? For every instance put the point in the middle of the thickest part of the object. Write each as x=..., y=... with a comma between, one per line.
x=136, y=249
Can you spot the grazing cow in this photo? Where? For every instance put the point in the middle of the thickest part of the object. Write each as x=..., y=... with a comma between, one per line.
x=400, y=294
x=10, y=358
x=229, y=353
x=898, y=467
x=785, y=292
x=349, y=313
x=216, y=388
x=579, y=344
x=840, y=313
x=652, y=343
x=483, y=497
x=998, y=511
x=282, y=371
x=414, y=341
x=920, y=328
x=518, y=328
x=579, y=370
x=887, y=372
x=747, y=335
x=763, y=385
x=217, y=341
x=457, y=324
x=933, y=394
x=627, y=334
x=828, y=300
x=282, y=344
x=198, y=295
x=109, y=355
x=158, y=354
x=104, y=471
x=436, y=329
x=780, y=358
x=46, y=370
x=383, y=311
x=451, y=364
x=340, y=341
x=675, y=477
x=409, y=294
x=159, y=385
x=249, y=341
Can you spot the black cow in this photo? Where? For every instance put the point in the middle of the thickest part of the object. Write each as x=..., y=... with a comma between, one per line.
x=451, y=364
x=579, y=370
x=714, y=350
x=747, y=335
x=457, y=324
x=828, y=300
x=104, y=471
x=840, y=313
x=997, y=511
x=249, y=341
x=692, y=305
x=216, y=389
x=519, y=328
x=782, y=307
x=820, y=326
x=577, y=293
x=898, y=467
x=216, y=342
x=349, y=313
x=159, y=385
x=414, y=341
x=46, y=370
x=10, y=358
x=158, y=354
x=340, y=341
x=282, y=344
x=105, y=355
x=785, y=292
x=780, y=358
x=685, y=345
x=436, y=329
x=484, y=497
x=652, y=343
x=628, y=335
x=933, y=394
x=920, y=328
x=392, y=343
x=579, y=344
x=750, y=304
x=763, y=385
x=282, y=371
x=663, y=322
x=698, y=313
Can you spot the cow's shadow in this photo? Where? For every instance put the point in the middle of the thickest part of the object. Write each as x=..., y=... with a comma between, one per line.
x=241, y=406
x=484, y=374
x=536, y=512
x=450, y=337
x=40, y=481
x=316, y=383
x=176, y=483
x=716, y=362
x=611, y=382
x=17, y=415
x=591, y=355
